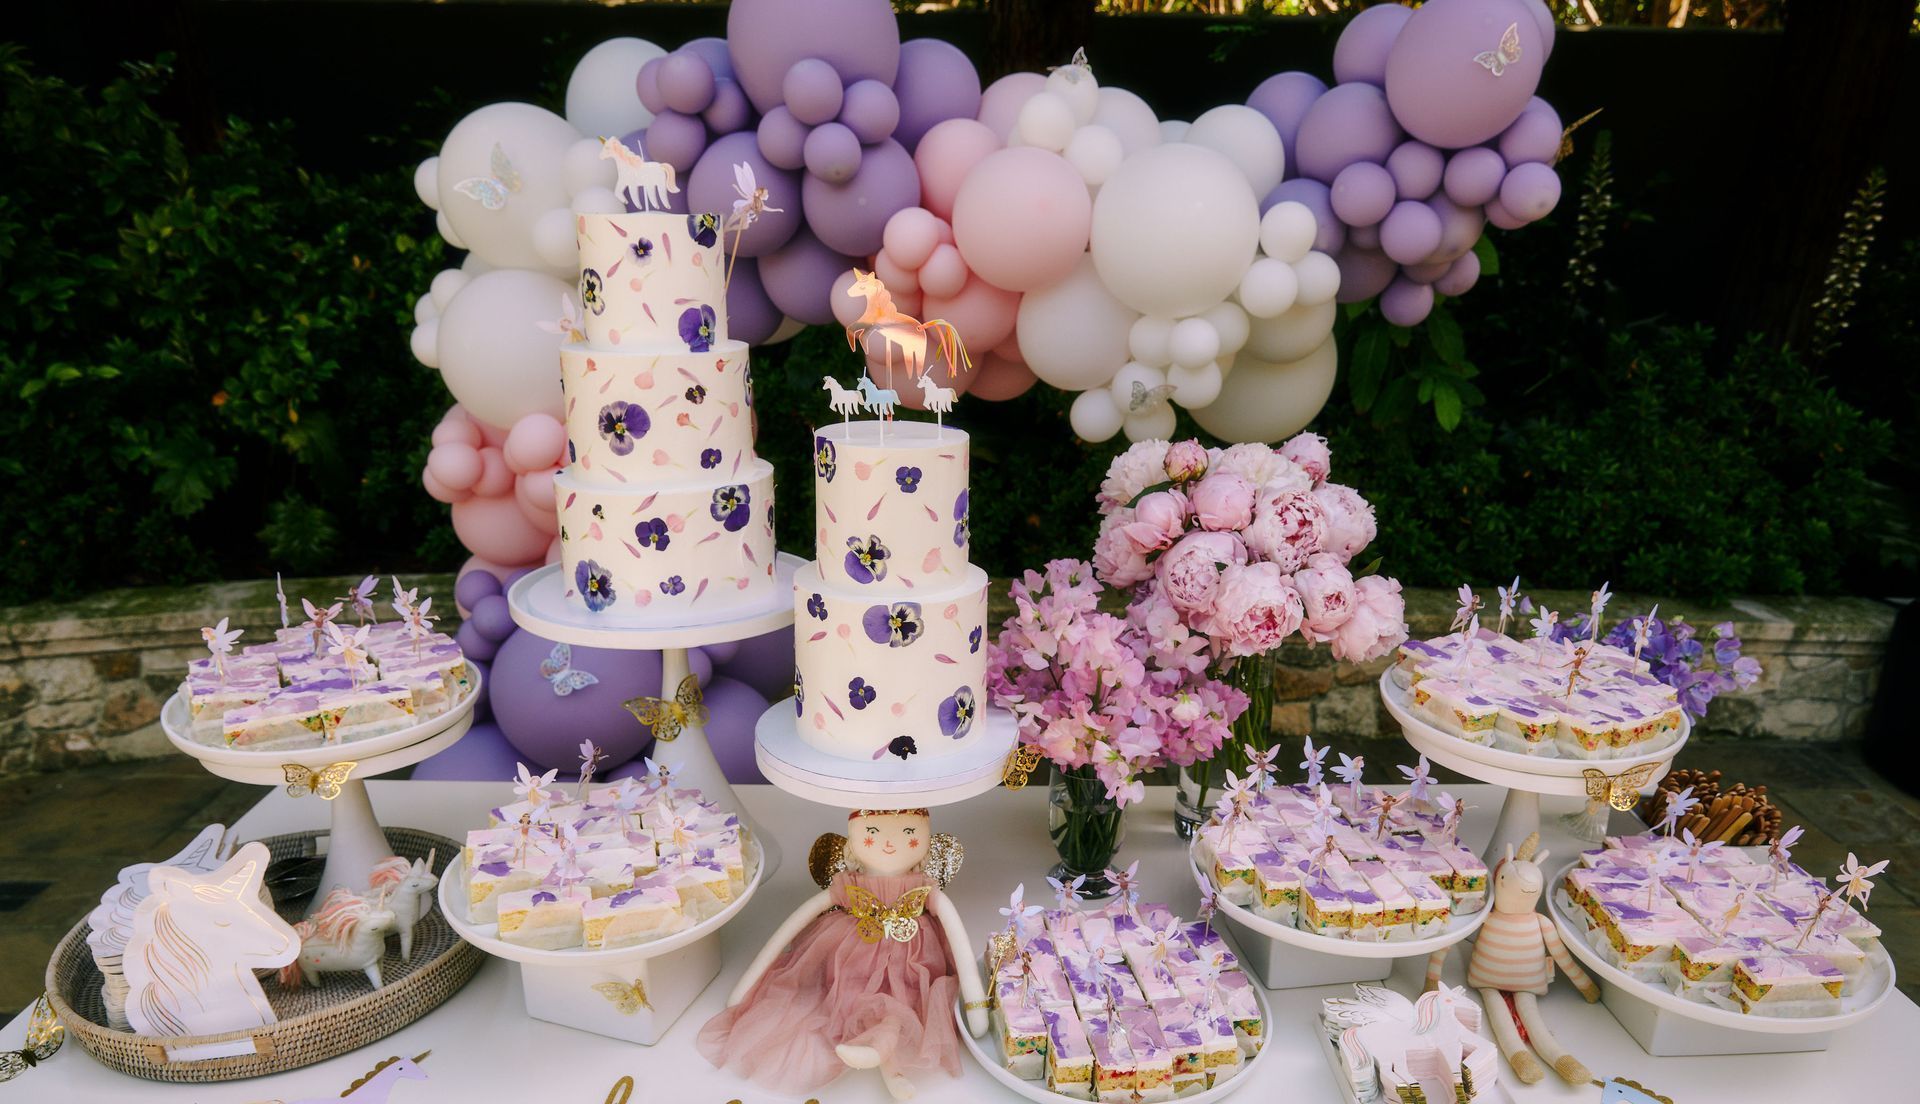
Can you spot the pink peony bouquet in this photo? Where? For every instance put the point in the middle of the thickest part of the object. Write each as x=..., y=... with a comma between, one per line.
x=1114, y=696
x=1243, y=547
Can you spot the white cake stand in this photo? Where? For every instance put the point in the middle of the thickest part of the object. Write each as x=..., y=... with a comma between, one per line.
x=539, y=604
x=355, y=843
x=887, y=783
x=1525, y=777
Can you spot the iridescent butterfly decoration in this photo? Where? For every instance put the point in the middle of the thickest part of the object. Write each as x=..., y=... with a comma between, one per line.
x=492, y=192
x=1496, y=61
x=1143, y=397
x=560, y=673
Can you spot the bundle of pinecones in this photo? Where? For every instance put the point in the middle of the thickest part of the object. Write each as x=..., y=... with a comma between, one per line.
x=1737, y=814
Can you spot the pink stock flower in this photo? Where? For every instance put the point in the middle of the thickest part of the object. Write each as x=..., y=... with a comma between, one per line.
x=1256, y=609
x=1133, y=471
x=1309, y=451
x=1116, y=559
x=1288, y=526
x=1186, y=461
x=1378, y=623
x=1175, y=649
x=1223, y=502
x=1327, y=596
x=1158, y=520
x=1189, y=574
x=1350, y=526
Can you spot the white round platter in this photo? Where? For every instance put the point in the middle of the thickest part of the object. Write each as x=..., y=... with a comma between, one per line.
x=1458, y=928
x=1038, y=1092
x=539, y=604
x=806, y=772
x=1542, y=774
x=377, y=755
x=453, y=906
x=1878, y=981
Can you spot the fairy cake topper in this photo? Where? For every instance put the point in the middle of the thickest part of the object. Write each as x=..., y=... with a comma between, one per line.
x=220, y=642
x=567, y=323
x=280, y=594
x=590, y=759
x=1314, y=763
x=1599, y=600
x=1511, y=600
x=1641, y=628
x=359, y=599
x=751, y=202
x=642, y=184
x=318, y=617
x=1469, y=606
x=351, y=646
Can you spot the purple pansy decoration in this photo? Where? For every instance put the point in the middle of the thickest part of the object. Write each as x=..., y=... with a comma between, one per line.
x=672, y=585
x=703, y=228
x=799, y=693
x=817, y=607
x=901, y=746
x=956, y=713
x=973, y=640
x=595, y=585
x=731, y=507
x=908, y=478
x=859, y=694
x=642, y=249
x=495, y=869
x=623, y=423
x=652, y=533
x=866, y=560
x=825, y=463
x=697, y=394
x=896, y=626
x=542, y=897
x=710, y=458
x=960, y=520
x=590, y=296
x=573, y=455
x=746, y=376
x=696, y=328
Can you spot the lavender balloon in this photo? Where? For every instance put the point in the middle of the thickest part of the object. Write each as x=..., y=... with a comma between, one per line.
x=936, y=82
x=1534, y=136
x=764, y=663
x=729, y=110
x=546, y=728
x=1284, y=99
x=812, y=91
x=1473, y=176
x=1461, y=275
x=482, y=755
x=647, y=84
x=849, y=217
x=475, y=644
x=1361, y=53
x=832, y=153
x=1416, y=168
x=686, y=82
x=1460, y=227
x=1406, y=303
x=1410, y=233
x=492, y=618
x=870, y=111
x=799, y=277
x=473, y=586
x=714, y=52
x=1530, y=191
x=734, y=708
x=1364, y=237
x=710, y=187
x=782, y=139
x=676, y=139
x=751, y=315
x=1461, y=70
x=1362, y=194
x=859, y=38
x=1350, y=123
x=1329, y=234
x=1364, y=274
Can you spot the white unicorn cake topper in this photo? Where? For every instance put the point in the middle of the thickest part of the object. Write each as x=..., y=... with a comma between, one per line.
x=643, y=184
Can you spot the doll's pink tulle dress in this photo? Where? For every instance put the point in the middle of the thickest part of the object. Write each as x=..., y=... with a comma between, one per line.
x=831, y=988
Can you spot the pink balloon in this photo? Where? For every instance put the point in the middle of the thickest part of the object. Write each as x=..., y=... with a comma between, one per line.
x=981, y=312
x=456, y=427
x=456, y=467
x=997, y=378
x=495, y=528
x=1000, y=104
x=945, y=272
x=491, y=436
x=898, y=280
x=946, y=155
x=536, y=441
x=553, y=552
x=439, y=491
x=846, y=308
x=910, y=237
x=496, y=478
x=1022, y=218
x=1460, y=276
x=534, y=493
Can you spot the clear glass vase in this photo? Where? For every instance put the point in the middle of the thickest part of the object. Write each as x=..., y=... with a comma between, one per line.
x=1087, y=828
x=1198, y=786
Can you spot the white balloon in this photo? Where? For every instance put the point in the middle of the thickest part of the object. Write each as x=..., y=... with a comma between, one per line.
x=553, y=236
x=1269, y=402
x=597, y=201
x=1268, y=288
x=1319, y=278
x=1287, y=231
x=1074, y=334
x=447, y=233
x=1129, y=117
x=426, y=182
x=474, y=265
x=1248, y=138
x=1173, y=229
x=425, y=309
x=492, y=353
x=446, y=284
x=1173, y=130
x=1156, y=424
x=585, y=168
x=1134, y=387
x=1093, y=416
x=1228, y=320
x=601, y=101
x=1075, y=85
x=1046, y=121
x=1195, y=342
x=1194, y=388
x=1290, y=335
x=425, y=343
x=1150, y=341
x=531, y=181
x=1096, y=152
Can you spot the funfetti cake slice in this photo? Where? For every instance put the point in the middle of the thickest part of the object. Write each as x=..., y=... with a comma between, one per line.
x=1242, y=1009
x=293, y=719
x=1325, y=910
x=501, y=872
x=1152, y=1058
x=546, y=917
x=1185, y=1040
x=1277, y=889
x=1795, y=984
x=647, y=911
x=1022, y=1030
x=210, y=698
x=1114, y=1074
x=1069, y=1056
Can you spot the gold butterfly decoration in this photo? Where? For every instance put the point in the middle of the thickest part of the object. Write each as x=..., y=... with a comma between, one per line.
x=1496, y=61
x=626, y=999
x=668, y=716
x=492, y=191
x=44, y=1036
x=1621, y=790
x=325, y=782
x=875, y=921
x=1021, y=764
x=1566, y=136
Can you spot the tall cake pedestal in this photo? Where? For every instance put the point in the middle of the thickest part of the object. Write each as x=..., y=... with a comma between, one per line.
x=887, y=783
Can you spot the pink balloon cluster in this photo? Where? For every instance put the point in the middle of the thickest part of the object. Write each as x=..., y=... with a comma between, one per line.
x=1431, y=132
x=500, y=485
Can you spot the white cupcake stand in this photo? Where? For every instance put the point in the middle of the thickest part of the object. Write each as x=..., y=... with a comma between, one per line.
x=1525, y=777
x=795, y=766
x=355, y=844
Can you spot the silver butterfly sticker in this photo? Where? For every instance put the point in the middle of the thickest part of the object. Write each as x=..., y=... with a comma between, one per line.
x=1496, y=61
x=1144, y=398
x=493, y=191
x=559, y=672
x=1078, y=60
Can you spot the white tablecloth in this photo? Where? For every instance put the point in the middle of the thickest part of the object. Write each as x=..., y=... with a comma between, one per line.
x=486, y=1049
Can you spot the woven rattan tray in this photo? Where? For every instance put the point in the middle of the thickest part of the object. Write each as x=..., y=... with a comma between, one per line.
x=316, y=1023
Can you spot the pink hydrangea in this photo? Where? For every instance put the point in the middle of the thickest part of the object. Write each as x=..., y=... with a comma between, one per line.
x=1287, y=527
x=1187, y=461
x=1327, y=596
x=1255, y=610
x=1133, y=471
x=1350, y=526
x=1309, y=451
x=1189, y=574
x=1158, y=520
x=1378, y=623
x=1222, y=502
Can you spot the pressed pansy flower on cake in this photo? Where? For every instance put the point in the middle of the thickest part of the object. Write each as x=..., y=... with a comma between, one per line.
x=817, y=606
x=697, y=394
x=642, y=250
x=590, y=288
x=960, y=520
x=859, y=694
x=696, y=329
x=595, y=585
x=896, y=625
x=703, y=228
x=825, y=463
x=866, y=560
x=623, y=423
x=731, y=507
x=956, y=713
x=907, y=478
x=902, y=746
x=710, y=458
x=799, y=693
x=652, y=533
x=672, y=585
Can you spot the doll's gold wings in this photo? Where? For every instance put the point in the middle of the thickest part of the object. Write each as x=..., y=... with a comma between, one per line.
x=875, y=920
x=827, y=857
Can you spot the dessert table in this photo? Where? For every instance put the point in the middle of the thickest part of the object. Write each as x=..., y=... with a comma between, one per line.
x=485, y=1048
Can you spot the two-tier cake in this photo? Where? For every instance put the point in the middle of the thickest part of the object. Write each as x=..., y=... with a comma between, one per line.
x=890, y=618
x=666, y=513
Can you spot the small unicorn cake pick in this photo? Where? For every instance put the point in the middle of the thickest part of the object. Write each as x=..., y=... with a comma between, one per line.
x=643, y=184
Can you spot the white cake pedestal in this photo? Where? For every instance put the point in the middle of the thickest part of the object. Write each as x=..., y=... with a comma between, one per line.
x=887, y=783
x=1525, y=777
x=355, y=843
x=539, y=604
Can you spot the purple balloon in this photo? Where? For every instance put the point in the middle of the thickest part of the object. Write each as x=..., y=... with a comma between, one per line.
x=1543, y=19
x=799, y=278
x=686, y=82
x=1460, y=227
x=482, y=755
x=1473, y=176
x=812, y=91
x=1416, y=168
x=1534, y=136
x=1441, y=91
x=870, y=111
x=936, y=83
x=1330, y=234
x=734, y=708
x=710, y=187
x=833, y=153
x=492, y=618
x=722, y=653
x=765, y=663
x=1461, y=275
x=1530, y=191
x=676, y=139
x=1406, y=303
x=647, y=84
x=473, y=586
x=714, y=52
x=1501, y=217
x=849, y=217
x=859, y=38
x=482, y=706
x=1410, y=233
x=1362, y=194
x=515, y=576
x=783, y=139
x=1284, y=99
x=1364, y=237
x=751, y=316
x=729, y=110
x=546, y=728
x=1364, y=274
x=1350, y=123
x=1361, y=53
x=474, y=644
x=1426, y=272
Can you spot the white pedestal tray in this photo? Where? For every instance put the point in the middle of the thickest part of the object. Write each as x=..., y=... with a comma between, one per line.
x=539, y=605
x=1666, y=1023
x=662, y=978
x=1288, y=958
x=355, y=843
x=887, y=783
x=1525, y=777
